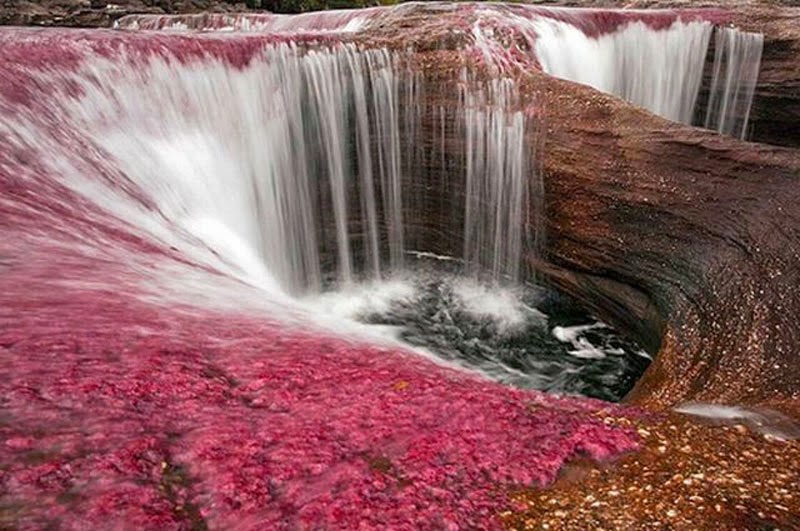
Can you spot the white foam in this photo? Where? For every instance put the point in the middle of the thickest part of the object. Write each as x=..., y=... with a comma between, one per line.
x=501, y=305
x=434, y=256
x=582, y=347
x=761, y=420
x=358, y=300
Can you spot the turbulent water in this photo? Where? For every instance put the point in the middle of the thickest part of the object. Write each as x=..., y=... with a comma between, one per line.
x=291, y=172
x=291, y=164
x=211, y=305
x=519, y=334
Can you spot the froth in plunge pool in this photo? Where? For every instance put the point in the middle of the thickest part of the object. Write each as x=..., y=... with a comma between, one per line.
x=519, y=334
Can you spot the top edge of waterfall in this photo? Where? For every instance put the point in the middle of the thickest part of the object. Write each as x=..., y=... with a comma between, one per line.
x=67, y=48
x=591, y=20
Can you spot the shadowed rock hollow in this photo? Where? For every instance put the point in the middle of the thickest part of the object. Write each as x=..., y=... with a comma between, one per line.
x=684, y=236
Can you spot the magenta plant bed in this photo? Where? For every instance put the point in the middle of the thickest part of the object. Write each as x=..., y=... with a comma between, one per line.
x=116, y=414
x=128, y=402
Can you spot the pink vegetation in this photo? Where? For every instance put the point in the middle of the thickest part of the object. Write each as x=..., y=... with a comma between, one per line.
x=592, y=21
x=320, y=21
x=121, y=413
x=597, y=22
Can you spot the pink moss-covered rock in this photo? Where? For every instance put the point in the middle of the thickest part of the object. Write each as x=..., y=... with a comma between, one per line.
x=119, y=413
x=125, y=407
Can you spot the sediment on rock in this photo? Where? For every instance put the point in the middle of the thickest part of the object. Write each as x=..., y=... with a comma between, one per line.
x=685, y=237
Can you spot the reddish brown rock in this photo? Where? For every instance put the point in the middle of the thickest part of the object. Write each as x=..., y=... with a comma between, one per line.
x=775, y=117
x=685, y=237
x=690, y=240
x=687, y=477
x=776, y=107
x=649, y=215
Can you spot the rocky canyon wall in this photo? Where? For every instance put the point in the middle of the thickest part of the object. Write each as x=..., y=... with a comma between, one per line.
x=687, y=238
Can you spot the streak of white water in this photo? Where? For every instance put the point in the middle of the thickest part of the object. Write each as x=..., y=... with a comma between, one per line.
x=497, y=179
x=299, y=163
x=659, y=70
x=387, y=130
x=737, y=59
x=241, y=159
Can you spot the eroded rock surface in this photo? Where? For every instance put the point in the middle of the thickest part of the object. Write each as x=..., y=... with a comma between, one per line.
x=682, y=235
x=128, y=405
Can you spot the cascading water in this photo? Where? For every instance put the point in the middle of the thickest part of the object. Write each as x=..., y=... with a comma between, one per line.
x=290, y=171
x=658, y=70
x=497, y=176
x=662, y=70
x=654, y=59
x=321, y=117
x=174, y=207
x=737, y=59
x=288, y=174
x=258, y=163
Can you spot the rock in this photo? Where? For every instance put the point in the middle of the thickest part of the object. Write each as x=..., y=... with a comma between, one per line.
x=775, y=116
x=683, y=231
x=681, y=236
x=684, y=237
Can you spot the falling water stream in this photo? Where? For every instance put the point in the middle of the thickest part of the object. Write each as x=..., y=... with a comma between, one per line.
x=298, y=170
x=227, y=241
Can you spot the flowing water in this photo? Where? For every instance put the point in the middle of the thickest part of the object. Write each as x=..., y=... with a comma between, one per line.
x=658, y=70
x=228, y=241
x=656, y=59
x=661, y=71
x=737, y=59
x=519, y=334
x=299, y=166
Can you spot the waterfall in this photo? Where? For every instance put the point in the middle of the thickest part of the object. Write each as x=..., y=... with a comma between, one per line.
x=289, y=162
x=296, y=167
x=658, y=70
x=656, y=60
x=170, y=203
x=737, y=59
x=497, y=179
x=304, y=165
